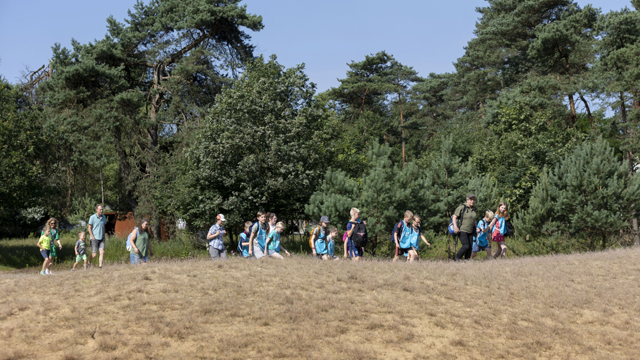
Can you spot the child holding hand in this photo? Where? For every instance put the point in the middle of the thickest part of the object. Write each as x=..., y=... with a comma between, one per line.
x=273, y=245
x=44, y=243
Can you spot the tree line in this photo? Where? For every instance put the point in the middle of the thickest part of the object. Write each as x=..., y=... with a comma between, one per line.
x=172, y=115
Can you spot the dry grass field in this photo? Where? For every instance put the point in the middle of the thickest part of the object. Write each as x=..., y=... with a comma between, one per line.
x=584, y=306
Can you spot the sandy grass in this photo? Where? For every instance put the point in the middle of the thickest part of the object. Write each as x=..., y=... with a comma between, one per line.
x=582, y=306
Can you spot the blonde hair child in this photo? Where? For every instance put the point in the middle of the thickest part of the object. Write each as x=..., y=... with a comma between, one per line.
x=44, y=243
x=273, y=245
x=483, y=230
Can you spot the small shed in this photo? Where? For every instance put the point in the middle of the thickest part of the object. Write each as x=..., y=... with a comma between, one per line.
x=121, y=225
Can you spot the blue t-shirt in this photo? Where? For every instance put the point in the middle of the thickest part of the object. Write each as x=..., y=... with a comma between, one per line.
x=97, y=226
x=331, y=246
x=244, y=237
x=274, y=241
x=320, y=243
x=482, y=236
x=404, y=237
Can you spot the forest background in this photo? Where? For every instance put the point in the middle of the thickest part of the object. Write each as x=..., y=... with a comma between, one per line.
x=172, y=115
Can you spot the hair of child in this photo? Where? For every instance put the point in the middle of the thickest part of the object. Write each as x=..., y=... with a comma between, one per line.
x=505, y=215
x=261, y=213
x=280, y=225
x=489, y=214
x=354, y=211
x=81, y=234
x=52, y=220
x=248, y=224
x=408, y=214
x=46, y=228
x=271, y=215
x=333, y=229
x=142, y=221
x=416, y=217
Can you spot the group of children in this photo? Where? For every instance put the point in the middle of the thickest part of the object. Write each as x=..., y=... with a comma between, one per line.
x=406, y=235
x=493, y=224
x=262, y=239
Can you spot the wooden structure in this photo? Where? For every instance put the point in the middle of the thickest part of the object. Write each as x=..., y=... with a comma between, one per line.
x=121, y=225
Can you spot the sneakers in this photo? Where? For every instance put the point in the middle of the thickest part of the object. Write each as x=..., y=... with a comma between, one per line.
x=47, y=272
x=73, y=269
x=43, y=273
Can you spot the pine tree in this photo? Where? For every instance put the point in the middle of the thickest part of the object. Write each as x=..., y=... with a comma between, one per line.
x=588, y=196
x=377, y=194
x=446, y=186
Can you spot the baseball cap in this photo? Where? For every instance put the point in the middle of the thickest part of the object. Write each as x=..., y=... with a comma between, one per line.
x=324, y=219
x=471, y=196
x=220, y=217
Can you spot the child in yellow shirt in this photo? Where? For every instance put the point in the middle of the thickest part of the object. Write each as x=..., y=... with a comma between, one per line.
x=45, y=247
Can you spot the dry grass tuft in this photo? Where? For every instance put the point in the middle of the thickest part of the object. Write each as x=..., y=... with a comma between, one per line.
x=556, y=307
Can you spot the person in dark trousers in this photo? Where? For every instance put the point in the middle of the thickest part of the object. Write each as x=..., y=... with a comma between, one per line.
x=466, y=214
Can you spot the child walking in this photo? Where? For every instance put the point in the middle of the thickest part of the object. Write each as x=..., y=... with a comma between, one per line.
x=499, y=229
x=243, y=243
x=354, y=252
x=44, y=243
x=80, y=251
x=399, y=229
x=258, y=238
x=318, y=238
x=54, y=234
x=273, y=244
x=482, y=243
x=410, y=240
x=331, y=244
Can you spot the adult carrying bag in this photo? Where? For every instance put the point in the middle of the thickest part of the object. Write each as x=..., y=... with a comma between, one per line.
x=459, y=222
x=359, y=235
x=128, y=243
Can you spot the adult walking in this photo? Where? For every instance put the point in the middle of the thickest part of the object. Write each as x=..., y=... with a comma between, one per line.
x=215, y=237
x=54, y=234
x=140, y=245
x=97, y=222
x=466, y=213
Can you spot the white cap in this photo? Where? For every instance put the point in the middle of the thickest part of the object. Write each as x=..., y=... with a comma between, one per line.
x=220, y=217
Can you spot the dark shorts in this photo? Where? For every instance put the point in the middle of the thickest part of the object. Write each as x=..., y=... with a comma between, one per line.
x=353, y=250
x=45, y=254
x=96, y=245
x=404, y=252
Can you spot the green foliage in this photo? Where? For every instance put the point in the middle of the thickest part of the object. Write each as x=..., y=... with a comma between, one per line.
x=381, y=194
x=23, y=200
x=261, y=147
x=588, y=196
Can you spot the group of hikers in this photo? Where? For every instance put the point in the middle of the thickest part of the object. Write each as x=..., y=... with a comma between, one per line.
x=261, y=239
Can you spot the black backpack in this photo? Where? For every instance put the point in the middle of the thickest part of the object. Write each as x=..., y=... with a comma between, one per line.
x=359, y=235
x=394, y=231
x=509, y=232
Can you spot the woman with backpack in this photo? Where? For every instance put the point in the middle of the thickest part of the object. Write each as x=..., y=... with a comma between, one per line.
x=500, y=229
x=140, y=245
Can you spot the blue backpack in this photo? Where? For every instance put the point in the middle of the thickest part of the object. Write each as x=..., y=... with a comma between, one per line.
x=128, y=244
x=459, y=222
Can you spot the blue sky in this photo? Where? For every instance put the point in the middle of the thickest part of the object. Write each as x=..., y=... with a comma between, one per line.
x=325, y=35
